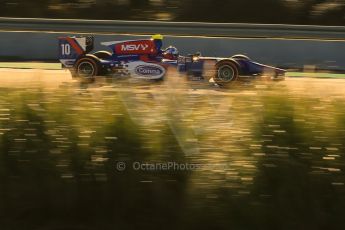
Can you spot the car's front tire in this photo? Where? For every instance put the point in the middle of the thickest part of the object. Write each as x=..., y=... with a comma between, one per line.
x=226, y=72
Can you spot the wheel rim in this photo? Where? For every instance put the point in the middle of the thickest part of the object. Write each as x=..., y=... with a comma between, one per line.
x=226, y=73
x=86, y=69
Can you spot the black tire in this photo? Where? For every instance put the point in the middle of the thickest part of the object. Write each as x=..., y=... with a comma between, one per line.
x=87, y=68
x=240, y=57
x=226, y=73
x=102, y=54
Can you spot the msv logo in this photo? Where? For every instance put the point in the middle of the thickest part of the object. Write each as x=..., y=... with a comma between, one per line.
x=133, y=47
x=148, y=70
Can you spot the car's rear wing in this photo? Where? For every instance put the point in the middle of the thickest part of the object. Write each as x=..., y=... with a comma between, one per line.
x=71, y=48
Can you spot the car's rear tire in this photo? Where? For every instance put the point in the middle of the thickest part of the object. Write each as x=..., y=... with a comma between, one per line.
x=102, y=54
x=87, y=68
x=226, y=73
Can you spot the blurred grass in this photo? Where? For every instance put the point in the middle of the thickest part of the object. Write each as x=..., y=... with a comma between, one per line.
x=59, y=147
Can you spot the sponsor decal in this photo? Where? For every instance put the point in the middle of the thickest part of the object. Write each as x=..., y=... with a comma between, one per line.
x=149, y=70
x=134, y=47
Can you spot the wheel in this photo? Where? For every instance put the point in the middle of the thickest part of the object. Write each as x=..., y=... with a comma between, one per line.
x=87, y=68
x=102, y=54
x=226, y=73
x=241, y=57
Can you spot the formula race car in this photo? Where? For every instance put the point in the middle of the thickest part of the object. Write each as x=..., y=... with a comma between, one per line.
x=145, y=59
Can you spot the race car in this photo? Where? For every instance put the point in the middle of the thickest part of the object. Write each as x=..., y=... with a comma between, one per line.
x=145, y=59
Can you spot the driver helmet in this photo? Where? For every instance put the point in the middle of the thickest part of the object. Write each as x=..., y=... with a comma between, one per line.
x=157, y=37
x=171, y=53
x=158, y=41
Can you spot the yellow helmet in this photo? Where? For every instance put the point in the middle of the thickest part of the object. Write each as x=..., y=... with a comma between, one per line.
x=157, y=37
